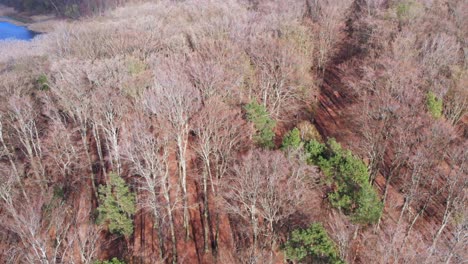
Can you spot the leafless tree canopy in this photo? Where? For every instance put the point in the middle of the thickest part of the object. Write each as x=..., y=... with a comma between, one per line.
x=159, y=93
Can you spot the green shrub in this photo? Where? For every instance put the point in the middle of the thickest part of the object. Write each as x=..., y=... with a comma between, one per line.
x=408, y=10
x=315, y=151
x=349, y=177
x=402, y=10
x=42, y=83
x=312, y=245
x=434, y=105
x=292, y=139
x=369, y=207
x=117, y=206
x=112, y=261
x=264, y=125
x=59, y=193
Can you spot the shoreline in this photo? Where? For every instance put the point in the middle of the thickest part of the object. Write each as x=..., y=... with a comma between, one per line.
x=39, y=24
x=13, y=21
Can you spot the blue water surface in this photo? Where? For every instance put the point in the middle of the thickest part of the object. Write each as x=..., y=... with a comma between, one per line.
x=12, y=31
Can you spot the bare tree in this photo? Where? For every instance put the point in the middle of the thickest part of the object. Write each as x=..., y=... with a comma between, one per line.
x=85, y=234
x=387, y=113
x=7, y=152
x=456, y=99
x=276, y=71
x=147, y=149
x=459, y=240
x=264, y=190
x=62, y=153
x=215, y=69
x=331, y=21
x=87, y=238
x=71, y=92
x=220, y=130
x=437, y=55
x=342, y=232
x=43, y=240
x=373, y=6
x=110, y=110
x=23, y=121
x=454, y=191
x=175, y=100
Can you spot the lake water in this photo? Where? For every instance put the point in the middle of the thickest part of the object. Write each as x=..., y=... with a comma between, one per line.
x=12, y=31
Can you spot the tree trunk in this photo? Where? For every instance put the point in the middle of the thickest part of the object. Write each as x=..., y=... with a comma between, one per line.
x=173, y=236
x=167, y=197
x=206, y=224
x=162, y=250
x=254, y=229
x=182, y=147
x=99, y=150
x=84, y=139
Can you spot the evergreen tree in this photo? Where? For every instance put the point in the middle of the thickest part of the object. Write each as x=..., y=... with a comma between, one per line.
x=312, y=245
x=292, y=139
x=112, y=261
x=264, y=125
x=350, y=177
x=117, y=206
x=369, y=206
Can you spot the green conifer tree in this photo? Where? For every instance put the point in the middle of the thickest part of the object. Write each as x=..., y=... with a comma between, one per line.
x=117, y=206
x=264, y=125
x=349, y=177
x=312, y=245
x=292, y=139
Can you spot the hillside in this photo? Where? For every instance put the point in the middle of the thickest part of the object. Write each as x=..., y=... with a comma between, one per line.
x=238, y=131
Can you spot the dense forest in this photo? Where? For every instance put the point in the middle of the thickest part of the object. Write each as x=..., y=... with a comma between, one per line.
x=236, y=131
